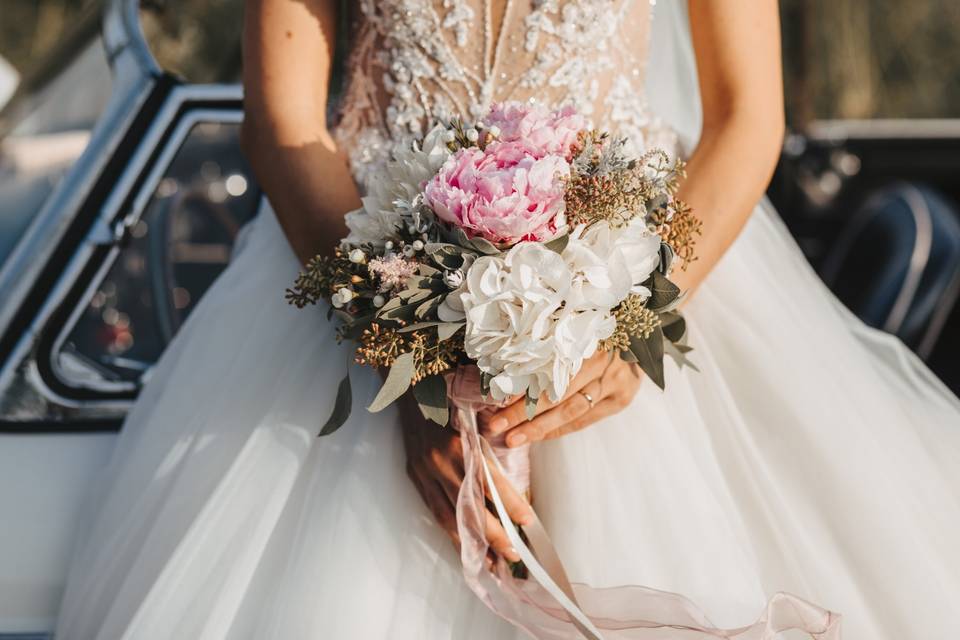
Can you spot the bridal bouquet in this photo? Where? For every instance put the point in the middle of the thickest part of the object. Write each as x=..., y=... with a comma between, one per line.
x=488, y=261
x=521, y=244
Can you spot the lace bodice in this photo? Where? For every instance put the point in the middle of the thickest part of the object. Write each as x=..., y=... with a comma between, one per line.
x=415, y=60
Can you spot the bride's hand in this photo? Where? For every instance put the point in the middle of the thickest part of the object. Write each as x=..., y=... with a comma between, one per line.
x=435, y=465
x=605, y=385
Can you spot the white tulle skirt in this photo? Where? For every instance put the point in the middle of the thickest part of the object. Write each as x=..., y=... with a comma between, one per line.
x=810, y=455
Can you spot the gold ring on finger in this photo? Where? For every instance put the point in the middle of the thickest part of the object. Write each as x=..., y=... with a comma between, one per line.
x=588, y=397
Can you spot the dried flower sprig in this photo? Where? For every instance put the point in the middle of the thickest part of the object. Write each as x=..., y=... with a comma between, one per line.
x=323, y=276
x=679, y=228
x=634, y=320
x=381, y=345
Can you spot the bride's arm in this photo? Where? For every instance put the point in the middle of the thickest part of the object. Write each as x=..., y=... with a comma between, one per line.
x=287, y=57
x=287, y=54
x=737, y=44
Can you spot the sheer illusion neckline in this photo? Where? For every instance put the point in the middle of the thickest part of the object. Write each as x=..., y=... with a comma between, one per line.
x=414, y=61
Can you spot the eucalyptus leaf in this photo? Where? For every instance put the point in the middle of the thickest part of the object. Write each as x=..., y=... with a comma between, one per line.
x=530, y=406
x=404, y=312
x=421, y=295
x=341, y=407
x=674, y=326
x=662, y=291
x=480, y=245
x=343, y=316
x=679, y=355
x=409, y=292
x=449, y=256
x=416, y=326
x=396, y=384
x=447, y=330
x=392, y=303
x=433, y=248
x=667, y=256
x=673, y=306
x=427, y=308
x=415, y=283
x=431, y=395
x=558, y=244
x=484, y=246
x=649, y=354
x=354, y=331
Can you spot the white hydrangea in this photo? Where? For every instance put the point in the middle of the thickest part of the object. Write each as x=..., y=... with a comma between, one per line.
x=533, y=316
x=632, y=250
x=394, y=191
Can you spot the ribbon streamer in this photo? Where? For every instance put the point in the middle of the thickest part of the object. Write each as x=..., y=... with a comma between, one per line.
x=547, y=605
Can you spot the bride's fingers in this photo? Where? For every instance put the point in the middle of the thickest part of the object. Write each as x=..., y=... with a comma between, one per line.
x=605, y=408
x=498, y=539
x=612, y=393
x=573, y=408
x=516, y=413
x=448, y=481
x=517, y=508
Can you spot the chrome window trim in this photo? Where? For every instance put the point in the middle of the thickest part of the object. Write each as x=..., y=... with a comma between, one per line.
x=125, y=41
x=113, y=235
x=891, y=129
x=107, y=229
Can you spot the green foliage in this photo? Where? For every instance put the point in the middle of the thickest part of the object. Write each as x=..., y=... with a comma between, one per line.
x=341, y=408
x=431, y=395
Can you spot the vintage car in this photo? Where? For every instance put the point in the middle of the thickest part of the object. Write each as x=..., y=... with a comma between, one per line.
x=123, y=190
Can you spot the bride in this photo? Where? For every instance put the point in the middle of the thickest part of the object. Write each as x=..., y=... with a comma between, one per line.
x=810, y=454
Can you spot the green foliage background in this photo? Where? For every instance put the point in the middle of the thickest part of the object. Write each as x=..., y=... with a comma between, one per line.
x=843, y=58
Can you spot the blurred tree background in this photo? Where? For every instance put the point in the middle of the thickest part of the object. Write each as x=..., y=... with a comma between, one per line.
x=871, y=59
x=842, y=58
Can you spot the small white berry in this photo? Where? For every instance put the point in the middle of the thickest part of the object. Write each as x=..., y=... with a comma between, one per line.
x=418, y=245
x=388, y=245
x=494, y=131
x=357, y=256
x=449, y=135
x=379, y=301
x=481, y=125
x=346, y=295
x=472, y=135
x=336, y=300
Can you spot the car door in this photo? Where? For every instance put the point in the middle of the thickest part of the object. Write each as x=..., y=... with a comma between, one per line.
x=121, y=249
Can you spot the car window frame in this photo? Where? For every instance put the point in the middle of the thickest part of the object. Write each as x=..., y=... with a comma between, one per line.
x=114, y=235
x=72, y=242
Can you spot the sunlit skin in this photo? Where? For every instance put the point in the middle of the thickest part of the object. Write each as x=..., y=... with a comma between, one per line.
x=288, y=48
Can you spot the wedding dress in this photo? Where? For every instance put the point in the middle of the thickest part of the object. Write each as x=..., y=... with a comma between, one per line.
x=810, y=454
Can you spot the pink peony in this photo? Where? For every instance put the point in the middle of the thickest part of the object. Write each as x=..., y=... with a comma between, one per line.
x=541, y=131
x=505, y=193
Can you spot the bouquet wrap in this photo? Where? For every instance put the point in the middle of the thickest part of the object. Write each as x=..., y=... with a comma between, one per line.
x=548, y=605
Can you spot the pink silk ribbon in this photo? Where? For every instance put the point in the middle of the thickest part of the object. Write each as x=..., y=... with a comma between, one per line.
x=547, y=605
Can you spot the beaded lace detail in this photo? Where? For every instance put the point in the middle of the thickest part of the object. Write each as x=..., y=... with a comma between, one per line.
x=416, y=60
